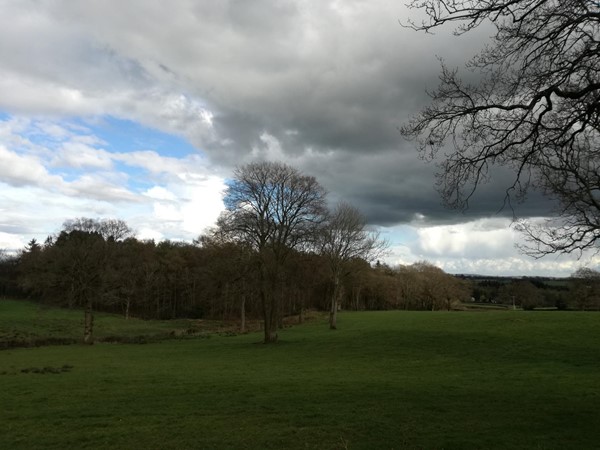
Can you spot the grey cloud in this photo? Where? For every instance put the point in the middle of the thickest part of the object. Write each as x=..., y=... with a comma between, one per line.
x=398, y=187
x=330, y=81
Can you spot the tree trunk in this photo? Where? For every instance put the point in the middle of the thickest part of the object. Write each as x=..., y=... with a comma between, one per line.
x=224, y=300
x=268, y=302
x=275, y=318
x=158, y=304
x=243, y=313
x=270, y=321
x=357, y=299
x=334, y=302
x=270, y=334
x=72, y=295
x=300, y=305
x=281, y=306
x=88, y=324
x=333, y=315
x=127, y=305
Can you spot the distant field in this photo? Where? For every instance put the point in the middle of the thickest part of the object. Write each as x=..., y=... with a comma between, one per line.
x=486, y=306
x=414, y=380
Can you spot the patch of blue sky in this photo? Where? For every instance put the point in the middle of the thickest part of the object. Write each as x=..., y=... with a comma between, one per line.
x=48, y=134
x=68, y=175
x=116, y=135
x=123, y=136
x=135, y=179
x=138, y=178
x=400, y=234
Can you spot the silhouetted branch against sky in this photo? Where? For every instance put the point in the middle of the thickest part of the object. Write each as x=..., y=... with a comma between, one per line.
x=535, y=109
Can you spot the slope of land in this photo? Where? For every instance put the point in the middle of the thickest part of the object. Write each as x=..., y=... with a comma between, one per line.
x=430, y=380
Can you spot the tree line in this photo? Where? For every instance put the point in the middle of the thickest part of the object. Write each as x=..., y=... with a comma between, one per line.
x=208, y=279
x=277, y=251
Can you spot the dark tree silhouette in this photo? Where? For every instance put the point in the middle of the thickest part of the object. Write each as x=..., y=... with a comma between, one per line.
x=77, y=263
x=275, y=209
x=534, y=109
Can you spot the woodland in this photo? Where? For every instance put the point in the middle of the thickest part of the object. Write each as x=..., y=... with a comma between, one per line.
x=277, y=251
x=210, y=279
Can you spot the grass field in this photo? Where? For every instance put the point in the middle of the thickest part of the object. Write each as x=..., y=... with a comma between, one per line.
x=384, y=380
x=26, y=324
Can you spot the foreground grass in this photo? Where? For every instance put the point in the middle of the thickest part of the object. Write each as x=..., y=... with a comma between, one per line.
x=383, y=380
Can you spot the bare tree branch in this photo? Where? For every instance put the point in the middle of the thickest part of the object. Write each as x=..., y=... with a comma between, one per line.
x=535, y=110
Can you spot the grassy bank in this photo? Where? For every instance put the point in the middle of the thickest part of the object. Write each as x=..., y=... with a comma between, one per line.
x=28, y=324
x=383, y=380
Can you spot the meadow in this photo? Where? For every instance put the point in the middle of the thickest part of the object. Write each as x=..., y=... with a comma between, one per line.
x=383, y=380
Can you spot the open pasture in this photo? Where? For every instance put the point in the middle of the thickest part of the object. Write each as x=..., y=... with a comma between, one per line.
x=389, y=380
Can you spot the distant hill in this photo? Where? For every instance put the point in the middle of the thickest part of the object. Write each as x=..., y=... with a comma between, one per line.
x=559, y=283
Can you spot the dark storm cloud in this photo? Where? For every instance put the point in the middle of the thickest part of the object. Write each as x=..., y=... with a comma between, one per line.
x=328, y=83
x=397, y=187
x=334, y=103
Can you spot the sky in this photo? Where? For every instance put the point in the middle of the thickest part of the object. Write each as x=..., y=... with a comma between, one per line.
x=141, y=110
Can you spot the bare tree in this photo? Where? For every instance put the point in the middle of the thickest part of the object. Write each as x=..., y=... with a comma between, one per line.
x=274, y=208
x=109, y=229
x=534, y=109
x=345, y=237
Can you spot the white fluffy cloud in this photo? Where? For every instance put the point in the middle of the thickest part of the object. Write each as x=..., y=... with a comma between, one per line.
x=484, y=238
x=483, y=246
x=25, y=170
x=79, y=155
x=54, y=171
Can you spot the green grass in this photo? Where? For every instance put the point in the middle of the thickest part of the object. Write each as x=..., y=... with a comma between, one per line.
x=28, y=324
x=415, y=380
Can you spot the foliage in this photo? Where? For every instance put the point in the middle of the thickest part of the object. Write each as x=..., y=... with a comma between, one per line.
x=521, y=293
x=424, y=286
x=538, y=292
x=9, y=286
x=108, y=229
x=217, y=279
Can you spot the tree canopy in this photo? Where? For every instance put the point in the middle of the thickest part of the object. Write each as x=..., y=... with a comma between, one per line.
x=275, y=208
